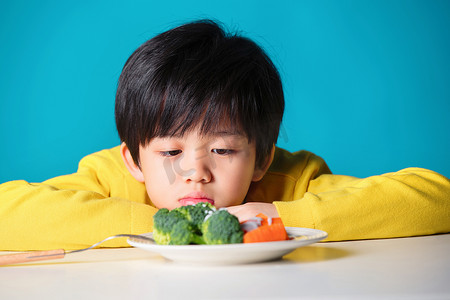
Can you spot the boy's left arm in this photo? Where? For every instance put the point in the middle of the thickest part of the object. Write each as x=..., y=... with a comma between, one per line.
x=410, y=202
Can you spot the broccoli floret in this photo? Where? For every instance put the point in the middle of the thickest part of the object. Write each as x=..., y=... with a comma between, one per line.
x=221, y=227
x=196, y=214
x=171, y=228
x=177, y=227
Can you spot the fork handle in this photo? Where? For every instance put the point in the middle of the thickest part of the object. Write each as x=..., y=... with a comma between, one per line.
x=16, y=258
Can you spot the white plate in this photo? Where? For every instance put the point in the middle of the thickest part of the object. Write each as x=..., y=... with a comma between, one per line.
x=233, y=253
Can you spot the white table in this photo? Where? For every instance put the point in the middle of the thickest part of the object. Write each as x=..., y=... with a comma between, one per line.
x=406, y=268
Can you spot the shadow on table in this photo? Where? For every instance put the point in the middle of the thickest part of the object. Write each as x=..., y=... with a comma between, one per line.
x=316, y=254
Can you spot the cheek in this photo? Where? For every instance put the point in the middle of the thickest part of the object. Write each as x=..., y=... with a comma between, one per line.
x=236, y=181
x=157, y=183
x=158, y=171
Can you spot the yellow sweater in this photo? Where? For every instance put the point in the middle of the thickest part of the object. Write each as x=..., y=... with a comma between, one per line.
x=103, y=199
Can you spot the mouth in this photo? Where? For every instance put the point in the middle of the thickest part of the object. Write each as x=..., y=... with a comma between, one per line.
x=194, y=198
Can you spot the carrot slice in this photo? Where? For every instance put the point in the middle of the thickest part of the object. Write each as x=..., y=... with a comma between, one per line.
x=271, y=229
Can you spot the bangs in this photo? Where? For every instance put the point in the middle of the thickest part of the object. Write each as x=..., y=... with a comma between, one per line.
x=177, y=117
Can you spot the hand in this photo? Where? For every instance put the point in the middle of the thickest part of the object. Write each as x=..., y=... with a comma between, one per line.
x=251, y=209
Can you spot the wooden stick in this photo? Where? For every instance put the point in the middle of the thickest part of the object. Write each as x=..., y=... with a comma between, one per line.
x=16, y=258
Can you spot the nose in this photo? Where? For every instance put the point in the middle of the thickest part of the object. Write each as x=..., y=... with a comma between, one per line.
x=194, y=168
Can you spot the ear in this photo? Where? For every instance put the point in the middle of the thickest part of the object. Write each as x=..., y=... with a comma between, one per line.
x=134, y=169
x=260, y=171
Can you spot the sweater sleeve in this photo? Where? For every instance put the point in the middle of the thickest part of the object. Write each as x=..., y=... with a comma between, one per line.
x=74, y=211
x=409, y=202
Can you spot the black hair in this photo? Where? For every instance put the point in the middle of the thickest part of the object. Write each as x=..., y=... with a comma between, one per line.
x=199, y=75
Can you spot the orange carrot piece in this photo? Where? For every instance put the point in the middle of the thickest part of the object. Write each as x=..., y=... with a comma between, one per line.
x=266, y=232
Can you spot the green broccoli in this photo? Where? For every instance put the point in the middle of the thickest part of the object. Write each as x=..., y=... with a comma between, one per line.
x=196, y=224
x=196, y=214
x=172, y=228
x=221, y=227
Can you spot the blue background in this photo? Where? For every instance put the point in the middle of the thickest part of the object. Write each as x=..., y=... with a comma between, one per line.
x=366, y=82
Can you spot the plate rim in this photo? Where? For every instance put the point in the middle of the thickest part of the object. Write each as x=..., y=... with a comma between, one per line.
x=314, y=236
x=233, y=254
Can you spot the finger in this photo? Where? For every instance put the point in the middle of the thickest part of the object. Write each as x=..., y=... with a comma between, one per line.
x=241, y=212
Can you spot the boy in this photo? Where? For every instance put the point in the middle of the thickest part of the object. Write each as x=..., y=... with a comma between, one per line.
x=198, y=113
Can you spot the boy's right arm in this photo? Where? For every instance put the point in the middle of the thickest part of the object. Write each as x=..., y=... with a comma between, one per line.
x=77, y=210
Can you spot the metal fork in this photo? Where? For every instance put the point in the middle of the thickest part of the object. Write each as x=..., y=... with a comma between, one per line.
x=16, y=258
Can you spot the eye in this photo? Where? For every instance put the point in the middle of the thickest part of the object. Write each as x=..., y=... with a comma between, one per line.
x=170, y=153
x=222, y=151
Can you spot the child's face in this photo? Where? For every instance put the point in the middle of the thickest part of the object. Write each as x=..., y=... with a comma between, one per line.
x=216, y=168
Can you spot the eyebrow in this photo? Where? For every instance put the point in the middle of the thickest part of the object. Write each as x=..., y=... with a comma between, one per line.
x=226, y=133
